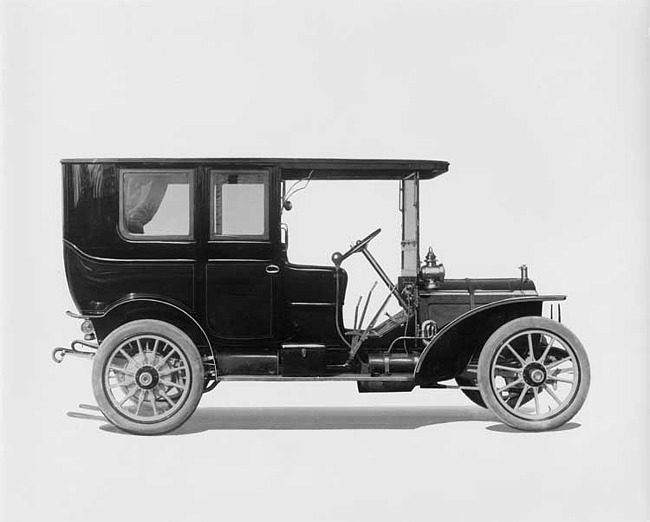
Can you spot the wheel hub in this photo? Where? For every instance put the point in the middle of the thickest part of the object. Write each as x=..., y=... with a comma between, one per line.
x=535, y=374
x=147, y=377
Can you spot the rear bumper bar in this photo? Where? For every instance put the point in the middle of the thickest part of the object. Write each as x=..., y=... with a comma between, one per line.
x=89, y=351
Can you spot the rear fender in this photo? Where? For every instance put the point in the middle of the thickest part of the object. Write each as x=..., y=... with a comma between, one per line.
x=146, y=307
x=451, y=349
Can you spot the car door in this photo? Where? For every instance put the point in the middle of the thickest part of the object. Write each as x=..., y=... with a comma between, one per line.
x=241, y=265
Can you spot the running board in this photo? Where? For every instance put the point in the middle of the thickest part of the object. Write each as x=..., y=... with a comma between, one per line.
x=436, y=386
x=346, y=377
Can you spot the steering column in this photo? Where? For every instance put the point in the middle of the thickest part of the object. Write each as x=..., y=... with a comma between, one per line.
x=362, y=246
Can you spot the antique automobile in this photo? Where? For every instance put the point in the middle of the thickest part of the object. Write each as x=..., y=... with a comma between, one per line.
x=180, y=273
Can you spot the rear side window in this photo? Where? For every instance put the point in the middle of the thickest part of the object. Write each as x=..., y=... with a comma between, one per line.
x=239, y=204
x=156, y=204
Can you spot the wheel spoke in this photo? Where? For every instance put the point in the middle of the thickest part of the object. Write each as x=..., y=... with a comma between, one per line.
x=519, y=358
x=559, y=379
x=172, y=350
x=140, y=401
x=129, y=395
x=521, y=397
x=170, y=383
x=153, y=402
x=121, y=370
x=122, y=384
x=537, y=411
x=171, y=371
x=166, y=397
x=548, y=349
x=128, y=356
x=531, y=352
x=552, y=394
x=144, y=357
x=508, y=368
x=511, y=385
x=557, y=363
x=155, y=349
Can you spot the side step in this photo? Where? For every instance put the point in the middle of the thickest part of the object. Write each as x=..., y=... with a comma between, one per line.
x=356, y=377
x=340, y=377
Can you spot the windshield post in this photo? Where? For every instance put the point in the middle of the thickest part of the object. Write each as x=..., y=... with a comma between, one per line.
x=410, y=208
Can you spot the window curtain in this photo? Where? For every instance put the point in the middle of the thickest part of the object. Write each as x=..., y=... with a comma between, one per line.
x=143, y=194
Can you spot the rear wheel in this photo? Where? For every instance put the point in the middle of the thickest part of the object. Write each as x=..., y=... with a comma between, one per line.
x=534, y=374
x=147, y=377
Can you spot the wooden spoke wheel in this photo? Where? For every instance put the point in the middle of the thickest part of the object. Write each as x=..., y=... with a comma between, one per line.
x=534, y=374
x=147, y=377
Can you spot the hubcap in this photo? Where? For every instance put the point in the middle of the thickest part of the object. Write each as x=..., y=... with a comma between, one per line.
x=534, y=374
x=537, y=376
x=147, y=377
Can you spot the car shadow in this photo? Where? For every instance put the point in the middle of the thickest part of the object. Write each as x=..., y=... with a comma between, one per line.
x=502, y=428
x=322, y=418
x=312, y=418
x=328, y=418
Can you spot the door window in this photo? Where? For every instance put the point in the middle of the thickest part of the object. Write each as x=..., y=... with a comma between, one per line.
x=156, y=204
x=239, y=204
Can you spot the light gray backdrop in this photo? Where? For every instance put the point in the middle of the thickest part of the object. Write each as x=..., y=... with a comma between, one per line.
x=541, y=108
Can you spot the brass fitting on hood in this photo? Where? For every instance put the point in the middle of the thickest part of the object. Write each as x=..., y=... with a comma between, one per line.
x=432, y=273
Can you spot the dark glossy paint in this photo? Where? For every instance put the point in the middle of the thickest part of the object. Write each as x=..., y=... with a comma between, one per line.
x=454, y=297
x=310, y=303
x=241, y=300
x=224, y=285
x=99, y=282
x=451, y=349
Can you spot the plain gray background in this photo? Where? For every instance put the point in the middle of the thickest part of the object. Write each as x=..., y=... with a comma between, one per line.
x=541, y=108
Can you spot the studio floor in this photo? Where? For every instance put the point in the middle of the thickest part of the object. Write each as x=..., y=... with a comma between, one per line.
x=318, y=451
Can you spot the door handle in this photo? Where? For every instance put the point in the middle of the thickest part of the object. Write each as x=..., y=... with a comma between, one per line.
x=272, y=269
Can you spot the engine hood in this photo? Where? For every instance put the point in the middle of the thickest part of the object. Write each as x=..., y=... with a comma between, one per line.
x=453, y=297
x=516, y=286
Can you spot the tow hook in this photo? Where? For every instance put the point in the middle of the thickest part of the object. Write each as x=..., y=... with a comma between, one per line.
x=59, y=353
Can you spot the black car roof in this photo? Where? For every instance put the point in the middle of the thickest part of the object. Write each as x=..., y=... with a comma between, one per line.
x=297, y=168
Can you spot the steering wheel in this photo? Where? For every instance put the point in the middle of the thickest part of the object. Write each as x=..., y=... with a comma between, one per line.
x=337, y=257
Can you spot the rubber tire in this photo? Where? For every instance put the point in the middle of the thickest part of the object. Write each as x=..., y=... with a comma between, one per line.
x=494, y=343
x=182, y=341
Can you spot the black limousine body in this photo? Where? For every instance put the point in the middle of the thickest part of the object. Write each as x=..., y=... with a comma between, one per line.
x=180, y=272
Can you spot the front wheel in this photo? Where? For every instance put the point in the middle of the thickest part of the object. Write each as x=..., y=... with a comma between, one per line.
x=533, y=373
x=147, y=377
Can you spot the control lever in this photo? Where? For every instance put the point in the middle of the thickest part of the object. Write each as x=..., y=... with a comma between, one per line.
x=358, y=341
x=356, y=312
x=365, y=308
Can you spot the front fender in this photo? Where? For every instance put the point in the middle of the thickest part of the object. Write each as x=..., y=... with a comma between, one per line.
x=450, y=350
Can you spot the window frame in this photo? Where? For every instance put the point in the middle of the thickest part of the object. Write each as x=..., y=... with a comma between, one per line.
x=264, y=237
x=145, y=238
